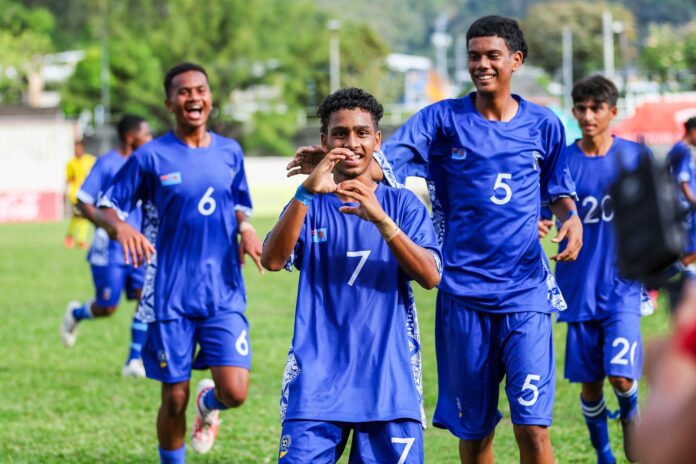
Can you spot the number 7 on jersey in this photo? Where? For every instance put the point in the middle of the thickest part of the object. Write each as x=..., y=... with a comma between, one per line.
x=363, y=257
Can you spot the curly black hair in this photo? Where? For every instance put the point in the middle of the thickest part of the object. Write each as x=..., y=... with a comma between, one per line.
x=596, y=88
x=179, y=69
x=506, y=28
x=349, y=99
x=128, y=123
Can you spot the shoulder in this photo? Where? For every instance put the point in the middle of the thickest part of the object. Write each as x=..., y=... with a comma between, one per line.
x=226, y=143
x=541, y=113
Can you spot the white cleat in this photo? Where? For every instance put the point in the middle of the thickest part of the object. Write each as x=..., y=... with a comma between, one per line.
x=68, y=329
x=205, y=427
x=134, y=368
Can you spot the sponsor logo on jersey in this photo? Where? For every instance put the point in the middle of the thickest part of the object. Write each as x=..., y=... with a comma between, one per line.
x=285, y=442
x=172, y=178
x=458, y=153
x=319, y=235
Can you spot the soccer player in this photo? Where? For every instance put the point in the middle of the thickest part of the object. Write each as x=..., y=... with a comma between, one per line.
x=76, y=172
x=109, y=272
x=193, y=187
x=604, y=309
x=683, y=170
x=489, y=159
x=354, y=363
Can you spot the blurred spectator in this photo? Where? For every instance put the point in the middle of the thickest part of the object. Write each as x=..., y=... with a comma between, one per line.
x=76, y=171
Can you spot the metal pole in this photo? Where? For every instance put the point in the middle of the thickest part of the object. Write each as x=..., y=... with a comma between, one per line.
x=567, y=66
x=608, y=39
x=334, y=55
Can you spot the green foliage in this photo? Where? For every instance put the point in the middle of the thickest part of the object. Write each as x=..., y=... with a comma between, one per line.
x=669, y=53
x=543, y=30
x=24, y=38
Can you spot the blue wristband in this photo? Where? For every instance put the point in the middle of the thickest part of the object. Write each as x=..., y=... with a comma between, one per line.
x=303, y=195
x=571, y=213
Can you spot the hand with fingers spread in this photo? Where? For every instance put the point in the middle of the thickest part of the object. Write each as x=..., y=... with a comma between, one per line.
x=368, y=207
x=571, y=230
x=321, y=178
x=137, y=249
x=306, y=160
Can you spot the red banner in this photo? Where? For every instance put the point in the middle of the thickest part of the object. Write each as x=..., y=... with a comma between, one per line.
x=30, y=206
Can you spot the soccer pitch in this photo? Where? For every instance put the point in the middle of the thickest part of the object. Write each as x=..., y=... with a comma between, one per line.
x=71, y=405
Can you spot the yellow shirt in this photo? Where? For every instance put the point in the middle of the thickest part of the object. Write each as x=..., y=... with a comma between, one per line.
x=76, y=173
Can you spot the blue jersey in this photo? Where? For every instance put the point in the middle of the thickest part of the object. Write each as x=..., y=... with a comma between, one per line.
x=591, y=285
x=683, y=169
x=190, y=195
x=487, y=180
x=355, y=354
x=105, y=252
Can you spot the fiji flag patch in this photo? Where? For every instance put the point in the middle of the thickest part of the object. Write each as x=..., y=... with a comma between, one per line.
x=318, y=235
x=458, y=153
x=172, y=178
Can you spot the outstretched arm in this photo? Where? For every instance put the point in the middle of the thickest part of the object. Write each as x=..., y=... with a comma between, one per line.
x=416, y=261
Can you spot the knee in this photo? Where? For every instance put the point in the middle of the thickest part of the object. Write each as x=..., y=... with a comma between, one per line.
x=103, y=311
x=232, y=394
x=470, y=449
x=621, y=384
x=175, y=399
x=533, y=437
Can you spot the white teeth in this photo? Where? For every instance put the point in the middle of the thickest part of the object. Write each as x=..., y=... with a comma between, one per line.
x=485, y=78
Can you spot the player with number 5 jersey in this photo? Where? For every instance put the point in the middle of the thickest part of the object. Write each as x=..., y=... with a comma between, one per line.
x=194, y=191
x=354, y=364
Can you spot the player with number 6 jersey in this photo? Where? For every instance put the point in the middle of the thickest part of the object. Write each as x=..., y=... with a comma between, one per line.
x=354, y=363
x=193, y=188
x=604, y=309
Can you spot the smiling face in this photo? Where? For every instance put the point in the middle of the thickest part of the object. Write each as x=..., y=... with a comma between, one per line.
x=593, y=117
x=355, y=130
x=491, y=64
x=190, y=100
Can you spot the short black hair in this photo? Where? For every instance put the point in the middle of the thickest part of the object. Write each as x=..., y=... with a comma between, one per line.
x=349, y=99
x=128, y=123
x=506, y=28
x=178, y=69
x=690, y=124
x=597, y=88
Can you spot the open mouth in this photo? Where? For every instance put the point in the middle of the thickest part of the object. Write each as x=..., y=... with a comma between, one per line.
x=194, y=111
x=485, y=77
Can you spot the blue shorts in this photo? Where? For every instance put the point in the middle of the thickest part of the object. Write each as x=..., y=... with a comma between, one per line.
x=110, y=281
x=475, y=350
x=611, y=346
x=223, y=340
x=398, y=441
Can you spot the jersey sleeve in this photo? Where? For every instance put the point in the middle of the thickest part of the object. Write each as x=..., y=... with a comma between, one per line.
x=407, y=151
x=683, y=168
x=240, y=189
x=132, y=183
x=92, y=186
x=556, y=181
x=416, y=223
x=295, y=258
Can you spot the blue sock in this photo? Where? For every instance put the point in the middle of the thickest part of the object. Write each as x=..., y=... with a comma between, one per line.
x=595, y=413
x=628, y=401
x=210, y=402
x=138, y=337
x=84, y=311
x=173, y=456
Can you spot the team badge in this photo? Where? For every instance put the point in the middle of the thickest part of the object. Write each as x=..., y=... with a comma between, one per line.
x=285, y=442
x=162, y=356
x=458, y=154
x=319, y=235
x=172, y=178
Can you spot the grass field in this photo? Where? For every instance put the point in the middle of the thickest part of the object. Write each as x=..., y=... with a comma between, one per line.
x=72, y=406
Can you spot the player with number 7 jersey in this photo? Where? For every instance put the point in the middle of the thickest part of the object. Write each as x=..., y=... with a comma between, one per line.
x=354, y=363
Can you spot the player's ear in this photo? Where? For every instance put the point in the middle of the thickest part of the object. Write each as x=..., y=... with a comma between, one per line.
x=614, y=111
x=378, y=139
x=324, y=142
x=517, y=60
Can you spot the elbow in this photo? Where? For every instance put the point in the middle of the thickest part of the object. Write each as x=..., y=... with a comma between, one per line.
x=270, y=264
x=430, y=281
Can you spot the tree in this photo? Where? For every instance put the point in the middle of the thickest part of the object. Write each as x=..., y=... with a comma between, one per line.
x=543, y=29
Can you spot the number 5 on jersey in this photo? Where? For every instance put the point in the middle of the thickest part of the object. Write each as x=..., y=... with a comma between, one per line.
x=501, y=188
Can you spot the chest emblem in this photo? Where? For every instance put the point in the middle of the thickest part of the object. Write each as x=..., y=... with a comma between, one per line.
x=319, y=235
x=172, y=178
x=458, y=154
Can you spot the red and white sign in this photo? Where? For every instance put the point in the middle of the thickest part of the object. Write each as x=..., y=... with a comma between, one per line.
x=30, y=206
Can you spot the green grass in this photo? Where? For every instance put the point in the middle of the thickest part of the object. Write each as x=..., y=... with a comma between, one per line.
x=72, y=406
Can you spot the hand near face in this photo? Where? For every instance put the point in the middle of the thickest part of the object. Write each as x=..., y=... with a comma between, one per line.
x=368, y=207
x=306, y=160
x=321, y=179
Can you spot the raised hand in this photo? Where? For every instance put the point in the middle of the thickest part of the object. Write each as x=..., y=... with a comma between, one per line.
x=306, y=160
x=368, y=207
x=321, y=178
